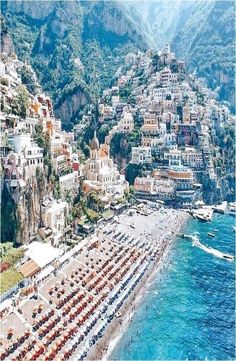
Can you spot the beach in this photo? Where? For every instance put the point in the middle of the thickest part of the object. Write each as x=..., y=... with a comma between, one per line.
x=82, y=309
x=103, y=349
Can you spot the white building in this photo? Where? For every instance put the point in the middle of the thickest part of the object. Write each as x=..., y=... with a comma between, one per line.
x=141, y=155
x=165, y=188
x=115, y=100
x=192, y=158
x=2, y=68
x=126, y=124
x=54, y=216
x=173, y=156
x=32, y=153
x=34, y=159
x=69, y=182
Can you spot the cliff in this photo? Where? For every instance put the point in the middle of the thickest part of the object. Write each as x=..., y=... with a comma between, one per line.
x=6, y=42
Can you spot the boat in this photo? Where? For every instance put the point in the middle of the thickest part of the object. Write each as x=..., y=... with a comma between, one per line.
x=211, y=234
x=189, y=237
x=203, y=214
x=220, y=208
x=234, y=229
x=228, y=257
x=211, y=250
x=203, y=218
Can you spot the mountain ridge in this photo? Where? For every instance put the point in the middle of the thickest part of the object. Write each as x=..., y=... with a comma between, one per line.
x=56, y=39
x=59, y=38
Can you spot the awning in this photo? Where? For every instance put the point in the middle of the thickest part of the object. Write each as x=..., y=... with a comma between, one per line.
x=29, y=268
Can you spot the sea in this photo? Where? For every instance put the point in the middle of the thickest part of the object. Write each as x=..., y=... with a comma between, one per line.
x=188, y=311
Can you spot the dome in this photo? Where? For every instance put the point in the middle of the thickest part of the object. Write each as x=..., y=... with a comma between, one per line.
x=94, y=143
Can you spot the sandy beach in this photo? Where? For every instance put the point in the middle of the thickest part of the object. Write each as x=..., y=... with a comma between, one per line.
x=103, y=349
x=81, y=310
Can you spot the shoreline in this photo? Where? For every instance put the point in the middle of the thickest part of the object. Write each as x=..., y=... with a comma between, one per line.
x=103, y=349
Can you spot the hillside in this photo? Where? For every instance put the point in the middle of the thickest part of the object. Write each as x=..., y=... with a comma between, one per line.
x=75, y=47
x=209, y=49
x=200, y=32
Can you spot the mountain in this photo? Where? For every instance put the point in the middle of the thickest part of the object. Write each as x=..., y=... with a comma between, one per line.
x=74, y=46
x=200, y=32
x=209, y=49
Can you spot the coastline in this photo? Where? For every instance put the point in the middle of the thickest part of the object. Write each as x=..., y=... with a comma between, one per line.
x=103, y=349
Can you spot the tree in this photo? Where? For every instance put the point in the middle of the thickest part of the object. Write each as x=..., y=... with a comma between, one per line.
x=21, y=101
x=91, y=214
x=68, y=196
x=57, y=191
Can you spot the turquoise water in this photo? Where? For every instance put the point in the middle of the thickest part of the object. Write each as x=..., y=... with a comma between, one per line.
x=188, y=311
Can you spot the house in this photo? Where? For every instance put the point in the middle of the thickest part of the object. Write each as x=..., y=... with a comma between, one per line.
x=141, y=155
x=192, y=158
x=69, y=183
x=144, y=184
x=54, y=216
x=126, y=124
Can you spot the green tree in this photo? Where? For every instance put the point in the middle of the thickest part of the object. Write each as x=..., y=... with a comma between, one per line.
x=21, y=101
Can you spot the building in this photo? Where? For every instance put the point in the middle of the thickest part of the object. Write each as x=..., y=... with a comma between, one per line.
x=193, y=158
x=141, y=155
x=69, y=183
x=164, y=188
x=34, y=159
x=126, y=124
x=100, y=173
x=31, y=153
x=173, y=156
x=155, y=188
x=144, y=184
x=150, y=125
x=54, y=216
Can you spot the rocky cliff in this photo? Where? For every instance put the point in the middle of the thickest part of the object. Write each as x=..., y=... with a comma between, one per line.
x=6, y=42
x=20, y=212
x=67, y=110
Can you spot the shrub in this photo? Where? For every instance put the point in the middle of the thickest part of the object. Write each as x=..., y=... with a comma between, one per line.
x=9, y=279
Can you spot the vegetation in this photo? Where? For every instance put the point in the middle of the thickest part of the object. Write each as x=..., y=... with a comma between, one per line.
x=9, y=224
x=136, y=170
x=9, y=258
x=209, y=49
x=92, y=215
x=11, y=255
x=10, y=278
x=20, y=101
x=70, y=57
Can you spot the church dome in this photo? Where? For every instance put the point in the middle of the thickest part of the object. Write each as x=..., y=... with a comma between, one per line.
x=94, y=143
